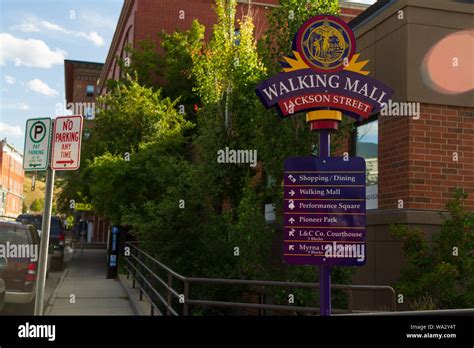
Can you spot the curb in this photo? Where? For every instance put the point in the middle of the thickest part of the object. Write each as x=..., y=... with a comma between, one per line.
x=49, y=305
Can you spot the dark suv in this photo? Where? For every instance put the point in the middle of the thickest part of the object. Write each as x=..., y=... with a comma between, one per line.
x=56, y=237
x=20, y=273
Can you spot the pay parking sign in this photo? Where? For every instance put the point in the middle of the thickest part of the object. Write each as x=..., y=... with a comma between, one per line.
x=37, y=144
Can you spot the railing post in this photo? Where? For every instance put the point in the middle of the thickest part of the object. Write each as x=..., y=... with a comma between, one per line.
x=152, y=310
x=394, y=299
x=168, y=299
x=186, y=297
x=349, y=299
x=141, y=294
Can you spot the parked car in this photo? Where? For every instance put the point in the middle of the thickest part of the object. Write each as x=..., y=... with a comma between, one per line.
x=21, y=273
x=3, y=267
x=56, y=237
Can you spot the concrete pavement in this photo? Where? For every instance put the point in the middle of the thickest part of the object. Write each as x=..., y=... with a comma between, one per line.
x=85, y=282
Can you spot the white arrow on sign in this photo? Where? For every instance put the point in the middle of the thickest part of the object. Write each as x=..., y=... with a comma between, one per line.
x=291, y=220
x=291, y=204
x=292, y=232
x=291, y=247
x=292, y=193
x=292, y=178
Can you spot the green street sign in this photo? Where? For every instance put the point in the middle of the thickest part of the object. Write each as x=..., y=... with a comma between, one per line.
x=37, y=144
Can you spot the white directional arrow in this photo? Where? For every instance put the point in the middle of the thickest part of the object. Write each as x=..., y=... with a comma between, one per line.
x=291, y=220
x=291, y=247
x=291, y=204
x=292, y=193
x=292, y=178
x=292, y=232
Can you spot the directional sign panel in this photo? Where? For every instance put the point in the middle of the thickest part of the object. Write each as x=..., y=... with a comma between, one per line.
x=37, y=144
x=67, y=134
x=324, y=211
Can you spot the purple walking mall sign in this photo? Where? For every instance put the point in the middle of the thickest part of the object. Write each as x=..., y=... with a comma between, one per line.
x=324, y=211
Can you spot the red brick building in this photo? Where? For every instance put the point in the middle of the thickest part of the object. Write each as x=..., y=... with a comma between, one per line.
x=144, y=19
x=423, y=50
x=12, y=178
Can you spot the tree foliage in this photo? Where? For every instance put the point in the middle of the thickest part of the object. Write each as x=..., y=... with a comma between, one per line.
x=188, y=209
x=442, y=273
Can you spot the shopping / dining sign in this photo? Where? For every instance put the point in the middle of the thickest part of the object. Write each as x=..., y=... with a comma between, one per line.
x=66, y=150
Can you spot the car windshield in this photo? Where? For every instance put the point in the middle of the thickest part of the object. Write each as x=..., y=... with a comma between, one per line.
x=32, y=219
x=13, y=235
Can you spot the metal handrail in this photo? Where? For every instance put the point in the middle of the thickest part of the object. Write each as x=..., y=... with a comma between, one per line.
x=154, y=291
x=185, y=299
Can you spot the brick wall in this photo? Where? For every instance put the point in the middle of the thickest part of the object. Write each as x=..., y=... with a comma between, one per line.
x=416, y=157
x=147, y=18
x=12, y=178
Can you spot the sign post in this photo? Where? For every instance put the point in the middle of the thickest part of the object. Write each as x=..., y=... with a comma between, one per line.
x=325, y=196
x=66, y=150
x=44, y=245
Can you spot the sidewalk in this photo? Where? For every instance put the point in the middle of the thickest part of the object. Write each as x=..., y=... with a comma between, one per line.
x=94, y=294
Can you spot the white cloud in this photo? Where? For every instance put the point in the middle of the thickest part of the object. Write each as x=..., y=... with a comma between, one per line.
x=53, y=26
x=92, y=36
x=10, y=79
x=39, y=86
x=28, y=26
x=10, y=130
x=15, y=106
x=31, y=53
x=34, y=25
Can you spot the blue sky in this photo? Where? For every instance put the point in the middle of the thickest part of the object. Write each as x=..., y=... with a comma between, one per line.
x=35, y=38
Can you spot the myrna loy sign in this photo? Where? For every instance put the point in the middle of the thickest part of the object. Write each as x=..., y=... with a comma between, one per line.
x=324, y=197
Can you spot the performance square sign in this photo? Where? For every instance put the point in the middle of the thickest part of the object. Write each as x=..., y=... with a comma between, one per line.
x=67, y=135
x=37, y=144
x=324, y=211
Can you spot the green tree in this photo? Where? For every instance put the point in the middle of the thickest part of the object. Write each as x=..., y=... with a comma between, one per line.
x=442, y=275
x=37, y=205
x=284, y=22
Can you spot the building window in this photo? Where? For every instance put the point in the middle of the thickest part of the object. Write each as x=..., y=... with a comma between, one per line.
x=366, y=146
x=90, y=90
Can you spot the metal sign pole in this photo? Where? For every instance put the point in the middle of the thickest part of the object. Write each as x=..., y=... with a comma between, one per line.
x=324, y=271
x=44, y=245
